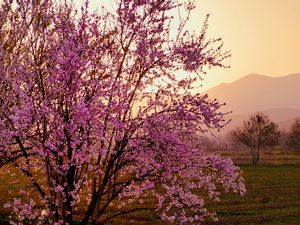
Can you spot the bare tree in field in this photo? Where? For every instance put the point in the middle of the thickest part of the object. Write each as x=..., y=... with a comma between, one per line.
x=256, y=133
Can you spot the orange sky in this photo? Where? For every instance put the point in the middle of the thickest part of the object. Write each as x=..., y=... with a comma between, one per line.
x=263, y=36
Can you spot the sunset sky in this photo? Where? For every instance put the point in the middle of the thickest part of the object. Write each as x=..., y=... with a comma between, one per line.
x=263, y=36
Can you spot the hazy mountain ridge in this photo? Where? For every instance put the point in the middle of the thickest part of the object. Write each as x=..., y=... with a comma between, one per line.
x=283, y=117
x=278, y=97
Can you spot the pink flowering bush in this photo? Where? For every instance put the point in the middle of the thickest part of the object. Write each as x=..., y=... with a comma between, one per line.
x=94, y=116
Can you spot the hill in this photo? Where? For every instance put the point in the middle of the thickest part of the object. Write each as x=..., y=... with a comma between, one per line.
x=259, y=92
x=278, y=97
x=283, y=117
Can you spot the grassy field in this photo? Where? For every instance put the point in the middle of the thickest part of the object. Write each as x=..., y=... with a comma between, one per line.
x=273, y=196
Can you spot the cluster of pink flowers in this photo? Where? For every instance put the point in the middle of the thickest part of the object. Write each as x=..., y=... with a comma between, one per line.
x=92, y=112
x=25, y=212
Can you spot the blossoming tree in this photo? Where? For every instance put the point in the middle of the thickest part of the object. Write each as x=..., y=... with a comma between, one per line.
x=93, y=114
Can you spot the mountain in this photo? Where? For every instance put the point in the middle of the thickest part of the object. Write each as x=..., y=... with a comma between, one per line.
x=258, y=92
x=277, y=97
x=282, y=116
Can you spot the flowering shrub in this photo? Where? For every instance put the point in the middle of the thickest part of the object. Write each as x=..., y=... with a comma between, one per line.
x=94, y=116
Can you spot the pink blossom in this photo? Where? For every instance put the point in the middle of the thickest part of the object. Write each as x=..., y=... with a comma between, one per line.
x=92, y=111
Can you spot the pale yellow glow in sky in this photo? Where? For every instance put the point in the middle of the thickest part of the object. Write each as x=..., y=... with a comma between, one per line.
x=263, y=36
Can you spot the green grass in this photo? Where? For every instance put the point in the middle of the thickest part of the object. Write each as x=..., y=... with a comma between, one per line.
x=273, y=198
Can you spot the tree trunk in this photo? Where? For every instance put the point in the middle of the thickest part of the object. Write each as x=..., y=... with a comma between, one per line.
x=257, y=156
x=253, y=154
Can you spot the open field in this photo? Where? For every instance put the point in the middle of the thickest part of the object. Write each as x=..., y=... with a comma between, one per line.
x=273, y=195
x=267, y=156
x=273, y=198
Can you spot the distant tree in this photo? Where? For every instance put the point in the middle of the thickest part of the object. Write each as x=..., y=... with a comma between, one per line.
x=257, y=132
x=210, y=143
x=294, y=136
x=283, y=139
x=232, y=141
